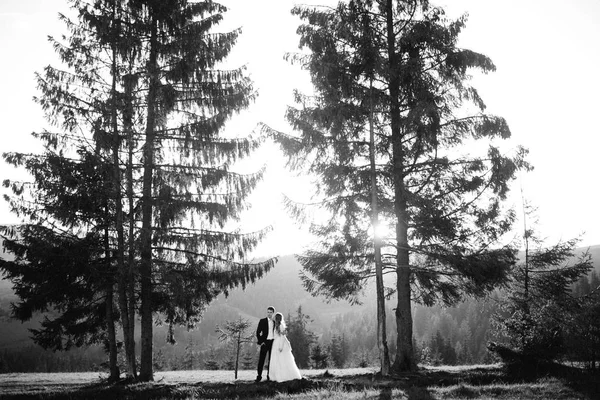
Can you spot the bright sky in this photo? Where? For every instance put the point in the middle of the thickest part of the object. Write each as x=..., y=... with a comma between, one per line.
x=546, y=85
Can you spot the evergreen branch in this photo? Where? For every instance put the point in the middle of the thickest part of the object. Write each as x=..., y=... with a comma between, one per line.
x=214, y=258
x=193, y=170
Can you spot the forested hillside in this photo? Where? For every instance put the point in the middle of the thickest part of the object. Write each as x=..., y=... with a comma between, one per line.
x=449, y=335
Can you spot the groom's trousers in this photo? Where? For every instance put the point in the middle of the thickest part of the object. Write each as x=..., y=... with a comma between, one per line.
x=264, y=350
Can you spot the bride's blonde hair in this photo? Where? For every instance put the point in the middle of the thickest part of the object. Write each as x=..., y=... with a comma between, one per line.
x=279, y=323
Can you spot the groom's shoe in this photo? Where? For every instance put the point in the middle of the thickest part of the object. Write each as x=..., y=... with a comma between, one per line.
x=258, y=378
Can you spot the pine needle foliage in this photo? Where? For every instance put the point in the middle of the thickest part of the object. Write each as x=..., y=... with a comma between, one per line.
x=235, y=333
x=538, y=314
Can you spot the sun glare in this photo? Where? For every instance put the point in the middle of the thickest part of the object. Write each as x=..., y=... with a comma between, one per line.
x=382, y=231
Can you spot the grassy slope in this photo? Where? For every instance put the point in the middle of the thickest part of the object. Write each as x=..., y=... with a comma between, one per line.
x=474, y=382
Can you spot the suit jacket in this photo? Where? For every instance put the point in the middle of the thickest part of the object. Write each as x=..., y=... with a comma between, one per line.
x=262, y=332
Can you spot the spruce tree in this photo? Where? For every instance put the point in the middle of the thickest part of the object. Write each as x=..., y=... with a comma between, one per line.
x=189, y=356
x=336, y=351
x=211, y=362
x=536, y=316
x=235, y=333
x=583, y=330
x=398, y=64
x=249, y=359
x=72, y=200
x=151, y=112
x=301, y=339
x=189, y=195
x=319, y=357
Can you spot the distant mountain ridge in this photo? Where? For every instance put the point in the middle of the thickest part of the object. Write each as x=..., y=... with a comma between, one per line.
x=281, y=287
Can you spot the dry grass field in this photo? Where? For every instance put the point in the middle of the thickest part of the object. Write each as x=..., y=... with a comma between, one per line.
x=472, y=382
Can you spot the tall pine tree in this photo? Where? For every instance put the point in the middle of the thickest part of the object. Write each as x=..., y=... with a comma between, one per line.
x=189, y=196
x=70, y=205
x=148, y=98
x=400, y=61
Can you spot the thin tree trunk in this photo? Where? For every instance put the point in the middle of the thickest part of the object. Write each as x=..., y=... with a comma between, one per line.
x=146, y=373
x=525, y=303
x=128, y=326
x=384, y=357
x=110, y=319
x=112, y=336
x=119, y=220
x=237, y=353
x=404, y=356
x=131, y=271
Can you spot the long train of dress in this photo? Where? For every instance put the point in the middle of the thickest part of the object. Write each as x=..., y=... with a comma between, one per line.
x=282, y=366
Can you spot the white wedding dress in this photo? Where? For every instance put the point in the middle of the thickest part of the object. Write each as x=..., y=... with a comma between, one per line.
x=282, y=366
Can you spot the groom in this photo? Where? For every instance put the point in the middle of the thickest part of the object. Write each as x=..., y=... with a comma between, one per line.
x=264, y=334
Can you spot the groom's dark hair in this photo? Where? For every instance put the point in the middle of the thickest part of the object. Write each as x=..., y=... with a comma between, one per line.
x=271, y=308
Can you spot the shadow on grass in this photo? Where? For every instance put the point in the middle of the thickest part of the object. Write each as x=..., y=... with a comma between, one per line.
x=421, y=384
x=583, y=381
x=160, y=391
x=418, y=385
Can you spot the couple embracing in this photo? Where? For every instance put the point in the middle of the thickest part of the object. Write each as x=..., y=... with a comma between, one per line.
x=272, y=341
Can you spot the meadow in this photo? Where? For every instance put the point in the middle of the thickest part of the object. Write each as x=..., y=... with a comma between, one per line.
x=428, y=383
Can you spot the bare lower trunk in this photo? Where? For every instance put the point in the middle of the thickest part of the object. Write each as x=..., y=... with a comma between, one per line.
x=384, y=357
x=112, y=336
x=405, y=360
x=237, y=354
x=146, y=373
x=405, y=356
x=110, y=318
x=128, y=327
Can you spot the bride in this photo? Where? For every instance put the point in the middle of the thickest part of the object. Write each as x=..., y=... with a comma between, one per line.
x=282, y=366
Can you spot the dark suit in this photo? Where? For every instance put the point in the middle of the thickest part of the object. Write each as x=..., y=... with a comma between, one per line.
x=262, y=332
